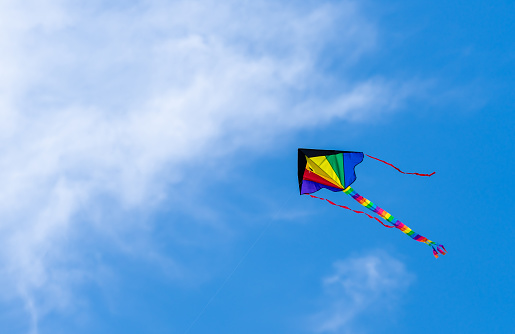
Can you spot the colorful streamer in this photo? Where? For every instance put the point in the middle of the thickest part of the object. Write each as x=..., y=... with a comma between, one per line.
x=347, y=208
x=396, y=223
x=389, y=164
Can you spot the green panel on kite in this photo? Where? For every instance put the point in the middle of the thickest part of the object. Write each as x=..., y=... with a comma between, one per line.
x=336, y=161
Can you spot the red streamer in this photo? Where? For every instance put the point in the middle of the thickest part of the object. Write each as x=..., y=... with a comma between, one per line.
x=347, y=208
x=389, y=164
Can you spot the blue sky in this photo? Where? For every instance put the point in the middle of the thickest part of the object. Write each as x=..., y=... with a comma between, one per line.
x=148, y=154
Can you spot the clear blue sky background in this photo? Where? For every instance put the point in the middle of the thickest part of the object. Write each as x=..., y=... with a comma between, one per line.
x=149, y=166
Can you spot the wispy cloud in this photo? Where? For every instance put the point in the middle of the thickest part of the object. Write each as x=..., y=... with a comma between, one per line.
x=361, y=286
x=106, y=103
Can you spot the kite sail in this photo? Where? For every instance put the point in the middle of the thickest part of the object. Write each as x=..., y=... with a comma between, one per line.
x=334, y=170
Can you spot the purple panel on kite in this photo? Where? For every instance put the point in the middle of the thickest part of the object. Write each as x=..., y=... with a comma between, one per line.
x=309, y=187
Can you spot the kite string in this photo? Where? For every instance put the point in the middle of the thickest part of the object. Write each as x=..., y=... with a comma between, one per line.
x=199, y=315
x=347, y=208
x=389, y=164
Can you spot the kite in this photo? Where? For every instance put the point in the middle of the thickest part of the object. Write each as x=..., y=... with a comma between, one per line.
x=334, y=170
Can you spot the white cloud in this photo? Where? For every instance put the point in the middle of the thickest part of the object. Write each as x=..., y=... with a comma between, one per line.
x=104, y=102
x=361, y=286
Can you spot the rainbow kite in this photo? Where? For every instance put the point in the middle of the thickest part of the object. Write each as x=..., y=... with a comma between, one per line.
x=334, y=170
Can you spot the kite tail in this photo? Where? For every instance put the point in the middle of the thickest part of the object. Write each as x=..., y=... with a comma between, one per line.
x=437, y=248
x=389, y=164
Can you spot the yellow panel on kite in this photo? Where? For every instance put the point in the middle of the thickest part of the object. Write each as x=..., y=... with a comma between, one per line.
x=317, y=170
x=324, y=165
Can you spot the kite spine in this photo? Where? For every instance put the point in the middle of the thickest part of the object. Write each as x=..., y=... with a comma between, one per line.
x=437, y=248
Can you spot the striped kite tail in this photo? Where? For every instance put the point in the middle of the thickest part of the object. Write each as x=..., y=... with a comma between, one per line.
x=437, y=248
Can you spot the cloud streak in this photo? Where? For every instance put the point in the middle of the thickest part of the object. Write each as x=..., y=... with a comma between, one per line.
x=104, y=104
x=358, y=287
